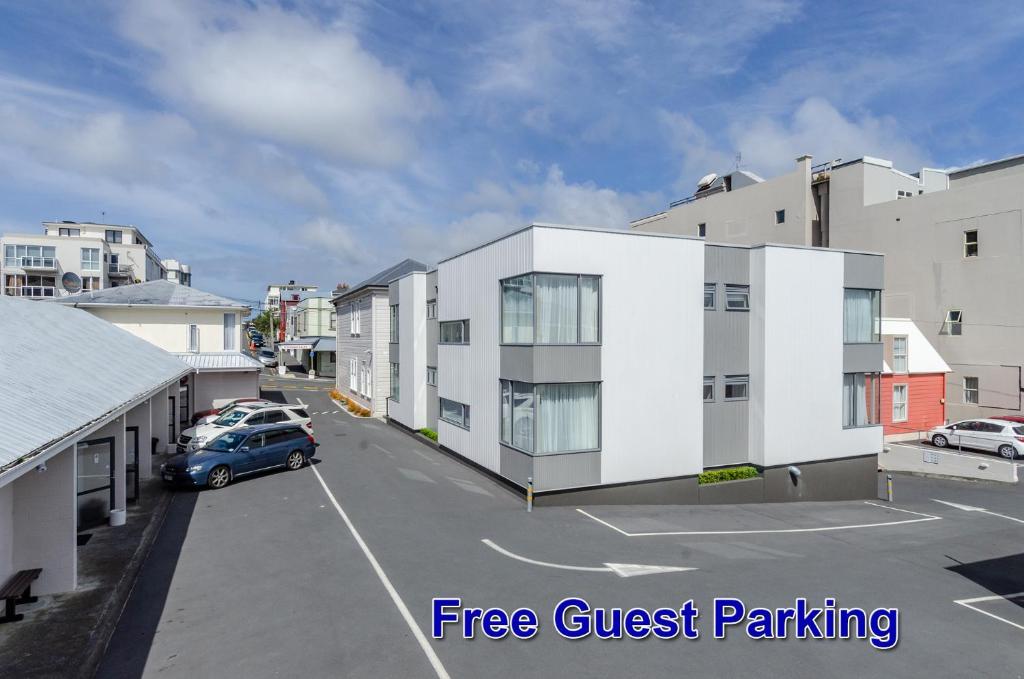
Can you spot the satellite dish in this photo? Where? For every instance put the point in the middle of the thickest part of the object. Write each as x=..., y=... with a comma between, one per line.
x=72, y=282
x=706, y=180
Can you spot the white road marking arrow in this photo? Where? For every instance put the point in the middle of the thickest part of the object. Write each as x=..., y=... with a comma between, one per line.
x=623, y=570
x=968, y=508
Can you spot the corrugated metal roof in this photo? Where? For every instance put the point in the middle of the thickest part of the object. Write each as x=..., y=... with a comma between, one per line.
x=158, y=292
x=382, y=278
x=63, y=369
x=220, y=360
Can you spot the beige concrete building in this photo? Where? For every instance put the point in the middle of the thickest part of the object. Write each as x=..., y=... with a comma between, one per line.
x=953, y=244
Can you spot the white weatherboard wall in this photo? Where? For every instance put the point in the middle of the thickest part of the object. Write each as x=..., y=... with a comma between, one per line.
x=468, y=289
x=411, y=408
x=796, y=362
x=224, y=386
x=652, y=346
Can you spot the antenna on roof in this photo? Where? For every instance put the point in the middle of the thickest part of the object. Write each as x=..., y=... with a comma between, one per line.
x=739, y=160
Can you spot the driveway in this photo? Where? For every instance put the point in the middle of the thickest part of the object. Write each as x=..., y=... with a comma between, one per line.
x=329, y=571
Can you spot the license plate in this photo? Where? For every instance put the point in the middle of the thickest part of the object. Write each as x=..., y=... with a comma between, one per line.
x=168, y=477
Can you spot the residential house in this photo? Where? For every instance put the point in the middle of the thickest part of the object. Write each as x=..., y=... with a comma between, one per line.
x=953, y=242
x=202, y=329
x=81, y=402
x=564, y=353
x=177, y=272
x=913, y=381
x=363, y=337
x=69, y=257
x=310, y=336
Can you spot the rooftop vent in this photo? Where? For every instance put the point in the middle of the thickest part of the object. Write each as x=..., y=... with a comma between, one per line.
x=706, y=181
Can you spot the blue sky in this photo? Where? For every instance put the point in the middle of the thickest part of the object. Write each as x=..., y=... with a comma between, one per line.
x=321, y=142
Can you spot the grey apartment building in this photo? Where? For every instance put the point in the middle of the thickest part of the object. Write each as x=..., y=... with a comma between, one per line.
x=953, y=243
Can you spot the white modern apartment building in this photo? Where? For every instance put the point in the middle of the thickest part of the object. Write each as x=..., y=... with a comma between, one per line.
x=953, y=243
x=614, y=366
x=362, y=323
x=69, y=257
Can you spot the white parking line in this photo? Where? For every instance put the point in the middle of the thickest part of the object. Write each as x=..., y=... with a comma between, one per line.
x=428, y=650
x=977, y=600
x=623, y=570
x=820, y=529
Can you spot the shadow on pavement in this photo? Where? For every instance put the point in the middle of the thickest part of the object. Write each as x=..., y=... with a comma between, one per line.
x=129, y=646
x=1002, y=576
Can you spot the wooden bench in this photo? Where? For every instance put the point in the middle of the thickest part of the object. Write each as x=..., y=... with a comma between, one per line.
x=18, y=590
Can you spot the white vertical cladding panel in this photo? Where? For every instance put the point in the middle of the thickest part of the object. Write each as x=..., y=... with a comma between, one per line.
x=468, y=289
x=652, y=353
x=803, y=360
x=756, y=387
x=411, y=408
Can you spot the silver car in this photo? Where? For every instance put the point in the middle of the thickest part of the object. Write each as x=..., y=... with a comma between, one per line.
x=997, y=436
x=267, y=357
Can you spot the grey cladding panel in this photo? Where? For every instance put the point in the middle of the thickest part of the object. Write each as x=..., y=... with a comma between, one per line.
x=393, y=353
x=543, y=364
x=393, y=292
x=863, y=271
x=862, y=358
x=566, y=471
x=726, y=265
x=725, y=430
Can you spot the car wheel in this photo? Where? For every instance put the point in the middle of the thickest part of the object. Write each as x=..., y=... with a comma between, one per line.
x=1007, y=451
x=295, y=459
x=940, y=441
x=219, y=477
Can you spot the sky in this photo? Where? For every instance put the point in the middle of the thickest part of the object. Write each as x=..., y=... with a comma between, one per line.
x=324, y=141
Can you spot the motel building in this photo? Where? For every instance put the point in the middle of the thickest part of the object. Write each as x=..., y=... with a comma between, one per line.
x=81, y=403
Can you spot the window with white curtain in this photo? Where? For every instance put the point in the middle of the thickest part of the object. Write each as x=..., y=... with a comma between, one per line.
x=861, y=315
x=455, y=413
x=899, y=354
x=551, y=309
x=860, y=399
x=230, y=332
x=550, y=418
x=899, y=403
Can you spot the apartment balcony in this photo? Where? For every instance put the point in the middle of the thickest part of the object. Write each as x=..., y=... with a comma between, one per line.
x=31, y=291
x=119, y=271
x=30, y=263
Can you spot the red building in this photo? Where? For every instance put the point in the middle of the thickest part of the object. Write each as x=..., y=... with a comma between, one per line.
x=913, y=384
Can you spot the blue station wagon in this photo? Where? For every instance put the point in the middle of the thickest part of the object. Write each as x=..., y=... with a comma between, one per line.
x=239, y=452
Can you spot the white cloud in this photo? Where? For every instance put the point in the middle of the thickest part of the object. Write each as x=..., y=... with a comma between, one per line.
x=282, y=77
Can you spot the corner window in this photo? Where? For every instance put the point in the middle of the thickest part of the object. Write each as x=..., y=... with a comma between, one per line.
x=550, y=309
x=709, y=389
x=454, y=332
x=431, y=309
x=432, y=376
x=550, y=418
x=737, y=298
x=971, y=243
x=455, y=413
x=394, y=382
x=899, y=354
x=394, y=324
x=862, y=313
x=971, y=390
x=899, y=403
x=860, y=399
x=953, y=324
x=702, y=230
x=736, y=387
x=113, y=236
x=709, y=296
x=780, y=216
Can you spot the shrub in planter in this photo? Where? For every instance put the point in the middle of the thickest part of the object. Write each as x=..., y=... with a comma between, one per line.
x=364, y=412
x=729, y=474
x=352, y=407
x=336, y=395
x=429, y=433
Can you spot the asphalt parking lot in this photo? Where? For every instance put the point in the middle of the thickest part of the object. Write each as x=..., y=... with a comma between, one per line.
x=330, y=571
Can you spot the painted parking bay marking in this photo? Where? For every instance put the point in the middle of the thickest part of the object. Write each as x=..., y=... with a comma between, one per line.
x=819, y=529
x=968, y=508
x=970, y=603
x=623, y=570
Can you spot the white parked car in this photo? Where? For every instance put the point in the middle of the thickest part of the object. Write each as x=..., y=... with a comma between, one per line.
x=207, y=419
x=997, y=436
x=245, y=415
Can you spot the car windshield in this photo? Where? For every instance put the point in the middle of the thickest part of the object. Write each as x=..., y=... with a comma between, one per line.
x=225, y=443
x=268, y=353
x=231, y=417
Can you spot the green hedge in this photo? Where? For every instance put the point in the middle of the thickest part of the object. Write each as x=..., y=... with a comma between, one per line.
x=429, y=433
x=730, y=474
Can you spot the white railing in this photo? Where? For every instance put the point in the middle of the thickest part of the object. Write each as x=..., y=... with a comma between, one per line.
x=35, y=291
x=31, y=262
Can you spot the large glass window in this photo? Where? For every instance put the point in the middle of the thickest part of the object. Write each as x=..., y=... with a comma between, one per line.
x=551, y=309
x=230, y=332
x=90, y=259
x=860, y=399
x=455, y=413
x=394, y=324
x=861, y=315
x=395, y=387
x=455, y=332
x=30, y=256
x=550, y=418
x=899, y=354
